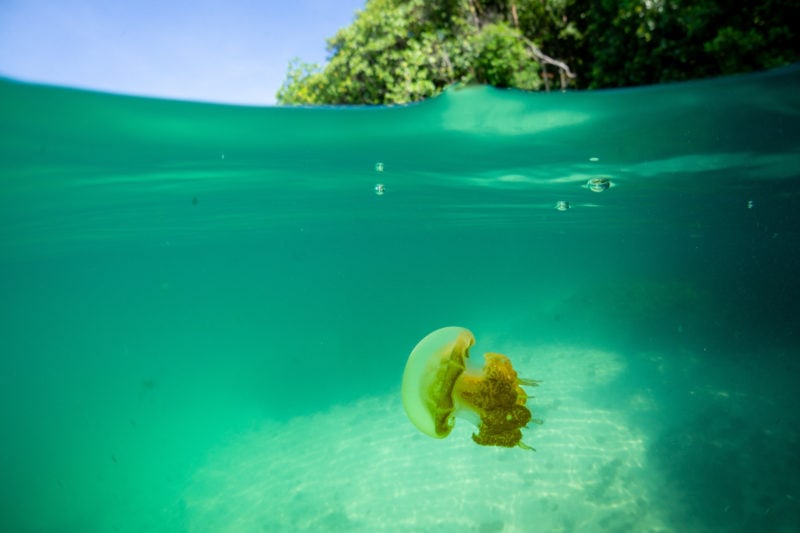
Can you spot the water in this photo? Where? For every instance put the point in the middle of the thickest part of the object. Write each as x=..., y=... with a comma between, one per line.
x=206, y=310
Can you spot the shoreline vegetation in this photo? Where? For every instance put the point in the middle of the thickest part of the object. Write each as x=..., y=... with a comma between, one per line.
x=401, y=51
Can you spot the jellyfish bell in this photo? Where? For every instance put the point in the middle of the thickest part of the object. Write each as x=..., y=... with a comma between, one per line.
x=439, y=386
x=429, y=378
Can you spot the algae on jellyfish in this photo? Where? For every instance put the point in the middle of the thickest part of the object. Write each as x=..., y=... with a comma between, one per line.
x=439, y=387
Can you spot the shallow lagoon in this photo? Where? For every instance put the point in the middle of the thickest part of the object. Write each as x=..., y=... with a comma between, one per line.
x=207, y=309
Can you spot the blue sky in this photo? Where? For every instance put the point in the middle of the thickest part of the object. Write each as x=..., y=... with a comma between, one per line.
x=234, y=51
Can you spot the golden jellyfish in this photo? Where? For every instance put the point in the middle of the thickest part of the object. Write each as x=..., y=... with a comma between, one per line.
x=439, y=386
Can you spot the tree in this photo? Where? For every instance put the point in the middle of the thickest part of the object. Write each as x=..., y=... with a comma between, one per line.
x=398, y=51
x=635, y=42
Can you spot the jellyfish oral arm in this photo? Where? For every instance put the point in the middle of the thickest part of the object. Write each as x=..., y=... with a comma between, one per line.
x=496, y=398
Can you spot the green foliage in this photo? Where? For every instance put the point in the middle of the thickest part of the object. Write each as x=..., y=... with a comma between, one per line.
x=304, y=84
x=398, y=51
x=392, y=53
x=633, y=42
x=502, y=59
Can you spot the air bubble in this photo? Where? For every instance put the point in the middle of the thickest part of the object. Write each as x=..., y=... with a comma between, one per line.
x=598, y=184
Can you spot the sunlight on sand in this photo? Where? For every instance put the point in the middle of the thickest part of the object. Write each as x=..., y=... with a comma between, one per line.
x=364, y=467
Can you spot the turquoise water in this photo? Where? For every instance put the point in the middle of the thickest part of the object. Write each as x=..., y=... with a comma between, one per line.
x=206, y=310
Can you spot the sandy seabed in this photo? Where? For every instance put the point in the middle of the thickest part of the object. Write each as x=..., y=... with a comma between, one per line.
x=363, y=466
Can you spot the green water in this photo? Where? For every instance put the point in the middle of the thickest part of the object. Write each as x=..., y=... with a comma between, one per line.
x=206, y=310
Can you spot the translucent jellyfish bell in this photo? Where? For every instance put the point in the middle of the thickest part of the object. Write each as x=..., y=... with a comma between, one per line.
x=439, y=387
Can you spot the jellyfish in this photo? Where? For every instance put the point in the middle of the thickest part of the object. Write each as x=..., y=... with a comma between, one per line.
x=439, y=387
